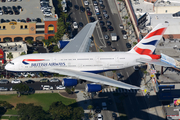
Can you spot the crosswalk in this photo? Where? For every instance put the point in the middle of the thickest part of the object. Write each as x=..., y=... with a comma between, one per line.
x=119, y=90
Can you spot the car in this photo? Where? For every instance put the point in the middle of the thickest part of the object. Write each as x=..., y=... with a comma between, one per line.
x=106, y=37
x=1, y=13
x=104, y=12
x=92, y=19
x=47, y=87
x=9, y=8
x=54, y=80
x=106, y=16
x=34, y=44
x=6, y=12
x=76, y=7
x=95, y=3
x=16, y=12
x=125, y=37
x=114, y=115
x=14, y=8
x=38, y=20
x=18, y=20
x=100, y=2
x=86, y=3
x=136, y=67
x=47, y=13
x=101, y=23
x=123, y=32
x=88, y=9
x=3, y=89
x=44, y=80
x=89, y=13
x=110, y=28
x=108, y=23
x=22, y=20
x=16, y=81
x=82, y=9
x=102, y=6
x=108, y=43
x=3, y=0
x=2, y=21
x=96, y=8
x=128, y=45
x=113, y=48
x=104, y=29
x=69, y=4
x=60, y=87
x=10, y=12
x=99, y=17
x=80, y=24
x=29, y=81
x=75, y=25
x=28, y=20
x=40, y=43
x=119, y=75
x=121, y=26
x=7, y=20
x=99, y=117
x=11, y=89
x=97, y=110
x=4, y=81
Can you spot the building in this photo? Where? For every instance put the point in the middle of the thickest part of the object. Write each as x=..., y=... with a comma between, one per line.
x=16, y=48
x=31, y=22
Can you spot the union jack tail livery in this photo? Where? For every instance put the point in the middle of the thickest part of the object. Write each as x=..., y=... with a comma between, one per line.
x=148, y=44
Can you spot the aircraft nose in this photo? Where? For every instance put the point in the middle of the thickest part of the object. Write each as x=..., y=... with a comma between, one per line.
x=7, y=67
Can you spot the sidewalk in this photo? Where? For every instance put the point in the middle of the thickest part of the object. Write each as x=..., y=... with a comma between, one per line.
x=155, y=109
x=154, y=106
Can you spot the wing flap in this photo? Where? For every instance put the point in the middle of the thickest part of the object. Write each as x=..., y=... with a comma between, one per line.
x=94, y=78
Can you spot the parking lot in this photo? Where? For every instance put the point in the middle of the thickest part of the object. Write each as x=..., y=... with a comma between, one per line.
x=30, y=9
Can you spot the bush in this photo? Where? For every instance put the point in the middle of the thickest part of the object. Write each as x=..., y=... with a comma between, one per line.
x=68, y=90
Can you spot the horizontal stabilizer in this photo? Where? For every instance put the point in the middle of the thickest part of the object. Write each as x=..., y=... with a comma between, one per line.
x=154, y=61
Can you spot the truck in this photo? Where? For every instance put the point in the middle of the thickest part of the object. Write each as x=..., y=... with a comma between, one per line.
x=113, y=37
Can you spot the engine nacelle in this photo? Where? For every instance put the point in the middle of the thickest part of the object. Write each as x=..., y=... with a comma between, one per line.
x=61, y=44
x=69, y=82
x=93, y=88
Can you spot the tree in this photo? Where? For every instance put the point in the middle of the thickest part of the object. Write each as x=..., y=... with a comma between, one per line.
x=23, y=53
x=72, y=89
x=35, y=52
x=4, y=105
x=29, y=41
x=10, y=56
x=56, y=49
x=90, y=107
x=31, y=112
x=21, y=88
x=78, y=113
x=68, y=90
x=59, y=111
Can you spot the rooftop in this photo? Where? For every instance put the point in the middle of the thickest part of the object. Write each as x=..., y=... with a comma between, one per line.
x=13, y=47
x=167, y=3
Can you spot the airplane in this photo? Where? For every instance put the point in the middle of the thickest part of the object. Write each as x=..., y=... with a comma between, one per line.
x=75, y=60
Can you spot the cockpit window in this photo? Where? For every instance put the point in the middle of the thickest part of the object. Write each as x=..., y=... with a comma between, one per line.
x=11, y=63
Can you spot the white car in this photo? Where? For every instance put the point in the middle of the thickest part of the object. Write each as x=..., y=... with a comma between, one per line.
x=47, y=87
x=125, y=37
x=47, y=13
x=96, y=8
x=54, y=80
x=1, y=13
x=60, y=87
x=16, y=81
x=121, y=26
x=75, y=25
x=99, y=117
x=86, y=3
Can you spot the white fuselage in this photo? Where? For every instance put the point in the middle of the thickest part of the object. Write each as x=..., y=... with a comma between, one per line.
x=92, y=61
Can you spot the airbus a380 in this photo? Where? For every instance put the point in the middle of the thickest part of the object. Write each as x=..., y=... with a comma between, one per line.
x=75, y=60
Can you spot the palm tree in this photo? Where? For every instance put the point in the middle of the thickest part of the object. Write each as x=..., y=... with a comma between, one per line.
x=90, y=107
x=9, y=56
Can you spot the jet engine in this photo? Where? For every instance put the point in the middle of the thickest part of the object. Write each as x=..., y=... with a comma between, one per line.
x=69, y=82
x=62, y=43
x=93, y=88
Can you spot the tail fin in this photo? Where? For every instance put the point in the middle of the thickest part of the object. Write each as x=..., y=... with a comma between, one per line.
x=148, y=44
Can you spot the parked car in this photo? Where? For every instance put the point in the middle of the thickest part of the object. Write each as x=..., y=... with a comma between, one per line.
x=54, y=80
x=86, y=3
x=29, y=81
x=4, y=81
x=16, y=81
x=1, y=13
x=44, y=80
x=75, y=25
x=99, y=117
x=60, y=87
x=3, y=89
x=108, y=23
x=88, y=9
x=28, y=20
x=47, y=87
x=47, y=13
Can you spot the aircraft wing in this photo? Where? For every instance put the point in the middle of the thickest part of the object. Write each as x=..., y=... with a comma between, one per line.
x=93, y=78
x=81, y=42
